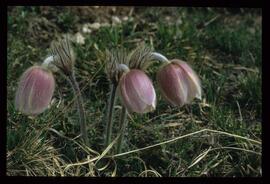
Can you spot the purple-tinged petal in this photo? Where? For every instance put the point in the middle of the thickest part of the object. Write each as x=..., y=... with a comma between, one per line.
x=194, y=81
x=137, y=92
x=171, y=81
x=179, y=84
x=35, y=90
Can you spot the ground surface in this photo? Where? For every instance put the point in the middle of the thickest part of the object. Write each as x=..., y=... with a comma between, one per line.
x=222, y=45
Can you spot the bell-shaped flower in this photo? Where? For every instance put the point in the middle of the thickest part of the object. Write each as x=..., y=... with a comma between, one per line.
x=179, y=84
x=35, y=90
x=137, y=92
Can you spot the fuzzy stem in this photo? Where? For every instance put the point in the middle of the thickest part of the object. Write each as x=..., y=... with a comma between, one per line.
x=79, y=100
x=159, y=57
x=47, y=61
x=110, y=112
x=123, y=124
x=123, y=68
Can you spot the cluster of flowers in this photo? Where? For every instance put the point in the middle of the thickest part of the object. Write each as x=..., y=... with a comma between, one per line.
x=178, y=83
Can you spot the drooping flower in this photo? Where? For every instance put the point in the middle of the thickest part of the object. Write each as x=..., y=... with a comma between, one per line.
x=35, y=90
x=137, y=92
x=179, y=84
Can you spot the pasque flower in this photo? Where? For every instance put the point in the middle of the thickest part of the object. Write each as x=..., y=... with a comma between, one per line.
x=35, y=90
x=137, y=92
x=63, y=58
x=179, y=84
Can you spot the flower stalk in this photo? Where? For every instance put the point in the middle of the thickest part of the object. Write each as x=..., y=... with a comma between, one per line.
x=110, y=113
x=64, y=59
x=123, y=125
x=159, y=57
x=114, y=71
x=80, y=107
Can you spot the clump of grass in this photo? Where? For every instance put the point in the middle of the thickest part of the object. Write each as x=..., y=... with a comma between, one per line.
x=33, y=155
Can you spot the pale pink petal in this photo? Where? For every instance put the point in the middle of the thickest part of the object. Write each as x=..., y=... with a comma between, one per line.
x=137, y=92
x=179, y=84
x=35, y=90
x=172, y=84
x=194, y=81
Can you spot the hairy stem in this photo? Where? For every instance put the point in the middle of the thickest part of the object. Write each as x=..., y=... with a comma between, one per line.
x=123, y=124
x=79, y=100
x=159, y=57
x=47, y=61
x=110, y=112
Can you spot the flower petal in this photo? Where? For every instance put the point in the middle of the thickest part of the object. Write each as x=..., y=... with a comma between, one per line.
x=194, y=81
x=137, y=92
x=35, y=90
x=179, y=84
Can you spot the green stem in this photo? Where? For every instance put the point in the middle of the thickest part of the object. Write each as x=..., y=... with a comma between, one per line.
x=123, y=124
x=110, y=112
x=81, y=112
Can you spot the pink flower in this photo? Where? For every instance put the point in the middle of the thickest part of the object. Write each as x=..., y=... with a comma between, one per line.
x=137, y=92
x=179, y=84
x=35, y=90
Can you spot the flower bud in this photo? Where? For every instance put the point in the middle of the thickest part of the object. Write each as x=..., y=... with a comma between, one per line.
x=137, y=92
x=179, y=84
x=35, y=90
